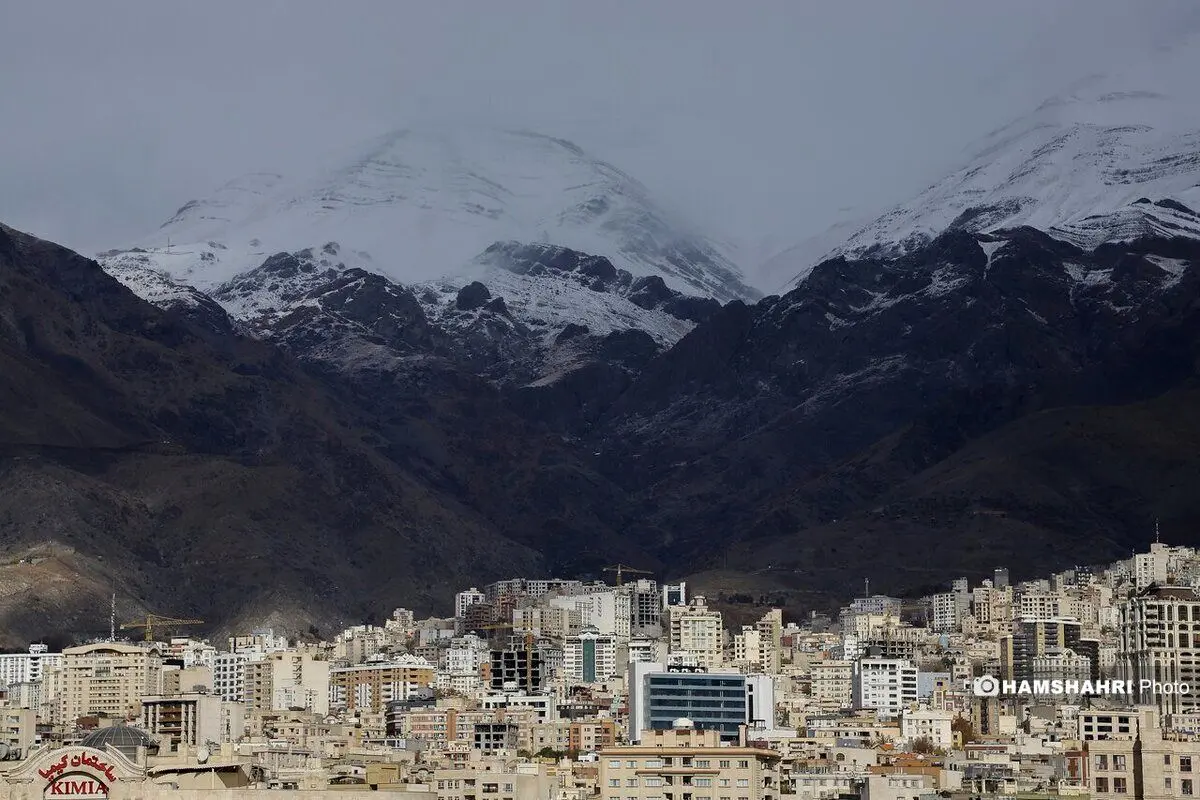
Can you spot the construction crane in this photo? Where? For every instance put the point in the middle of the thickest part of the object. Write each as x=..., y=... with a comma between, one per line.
x=621, y=569
x=157, y=620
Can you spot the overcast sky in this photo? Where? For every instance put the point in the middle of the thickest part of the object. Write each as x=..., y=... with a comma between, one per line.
x=763, y=121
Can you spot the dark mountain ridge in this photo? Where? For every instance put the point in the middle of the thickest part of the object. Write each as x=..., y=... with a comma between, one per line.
x=989, y=399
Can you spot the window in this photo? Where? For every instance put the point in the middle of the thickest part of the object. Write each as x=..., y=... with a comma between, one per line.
x=1167, y=760
x=1101, y=761
x=1119, y=763
x=1119, y=786
x=615, y=763
x=653, y=782
x=704, y=781
x=724, y=782
x=614, y=782
x=723, y=764
x=1185, y=763
x=631, y=764
x=1185, y=787
x=1101, y=785
x=742, y=782
x=743, y=765
x=631, y=782
x=702, y=763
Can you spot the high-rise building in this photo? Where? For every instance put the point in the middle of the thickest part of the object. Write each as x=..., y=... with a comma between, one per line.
x=686, y=762
x=1033, y=638
x=1000, y=578
x=371, y=686
x=607, y=610
x=27, y=667
x=192, y=720
x=832, y=684
x=467, y=598
x=1160, y=643
x=697, y=630
x=229, y=676
x=108, y=678
x=288, y=679
x=645, y=604
x=884, y=685
x=674, y=594
x=589, y=657
x=721, y=701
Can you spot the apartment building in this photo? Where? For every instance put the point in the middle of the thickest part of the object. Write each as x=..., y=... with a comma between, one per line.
x=107, y=678
x=1034, y=637
x=288, y=679
x=371, y=686
x=556, y=622
x=607, y=610
x=884, y=685
x=588, y=736
x=192, y=720
x=1160, y=642
x=832, y=684
x=229, y=676
x=718, y=701
x=465, y=599
x=685, y=763
x=589, y=657
x=697, y=630
x=929, y=724
x=18, y=730
x=1134, y=758
x=27, y=667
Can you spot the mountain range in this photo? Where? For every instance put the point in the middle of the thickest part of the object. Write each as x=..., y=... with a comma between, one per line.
x=454, y=356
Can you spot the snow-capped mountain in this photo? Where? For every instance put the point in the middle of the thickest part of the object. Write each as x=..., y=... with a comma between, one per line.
x=417, y=205
x=1112, y=158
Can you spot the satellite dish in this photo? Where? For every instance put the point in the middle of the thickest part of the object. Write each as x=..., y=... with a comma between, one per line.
x=202, y=755
x=4, y=751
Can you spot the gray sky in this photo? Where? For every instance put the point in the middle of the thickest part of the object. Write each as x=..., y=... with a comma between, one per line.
x=761, y=120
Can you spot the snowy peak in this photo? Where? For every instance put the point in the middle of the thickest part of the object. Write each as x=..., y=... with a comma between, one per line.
x=420, y=204
x=1101, y=162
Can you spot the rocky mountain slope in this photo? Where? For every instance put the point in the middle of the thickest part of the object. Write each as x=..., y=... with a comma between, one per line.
x=442, y=360
x=810, y=418
x=202, y=472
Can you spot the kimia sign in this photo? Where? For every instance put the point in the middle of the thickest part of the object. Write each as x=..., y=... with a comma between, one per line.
x=76, y=786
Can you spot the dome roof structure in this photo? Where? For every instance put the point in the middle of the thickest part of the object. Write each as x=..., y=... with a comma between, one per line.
x=124, y=738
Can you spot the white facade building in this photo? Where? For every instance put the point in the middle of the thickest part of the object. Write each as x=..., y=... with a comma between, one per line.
x=27, y=667
x=466, y=599
x=885, y=685
x=930, y=724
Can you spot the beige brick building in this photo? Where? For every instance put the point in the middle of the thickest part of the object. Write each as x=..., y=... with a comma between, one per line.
x=372, y=686
x=107, y=678
x=687, y=764
x=1135, y=760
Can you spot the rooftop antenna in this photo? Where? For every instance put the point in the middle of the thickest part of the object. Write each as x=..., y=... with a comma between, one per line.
x=1157, y=537
x=168, y=244
x=112, y=619
x=866, y=588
